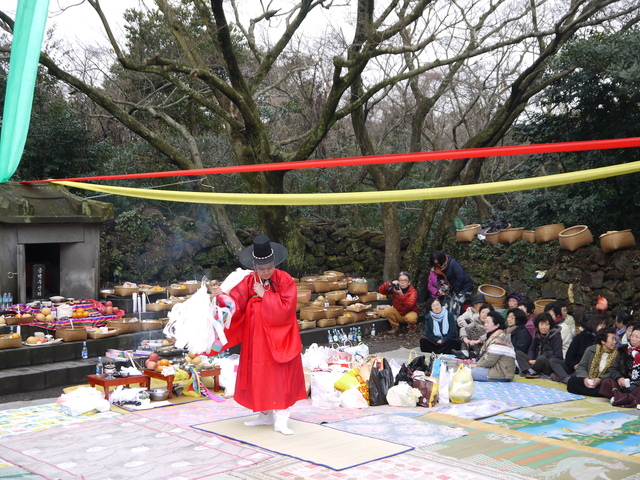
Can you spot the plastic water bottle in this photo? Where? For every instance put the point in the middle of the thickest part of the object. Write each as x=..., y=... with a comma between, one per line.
x=373, y=329
x=10, y=300
x=99, y=367
x=85, y=352
x=329, y=337
x=326, y=303
x=5, y=300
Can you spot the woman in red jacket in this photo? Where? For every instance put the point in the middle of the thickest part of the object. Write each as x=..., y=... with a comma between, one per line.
x=404, y=298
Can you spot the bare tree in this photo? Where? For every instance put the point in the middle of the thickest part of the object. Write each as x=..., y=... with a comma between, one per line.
x=481, y=61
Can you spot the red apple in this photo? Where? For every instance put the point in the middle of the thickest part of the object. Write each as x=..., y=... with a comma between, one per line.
x=115, y=310
x=108, y=303
x=109, y=310
x=103, y=310
x=151, y=365
x=154, y=357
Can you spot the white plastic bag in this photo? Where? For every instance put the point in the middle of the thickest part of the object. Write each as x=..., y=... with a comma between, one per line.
x=228, y=374
x=323, y=393
x=403, y=395
x=352, y=398
x=395, y=367
x=443, y=383
x=83, y=400
x=315, y=357
x=361, y=349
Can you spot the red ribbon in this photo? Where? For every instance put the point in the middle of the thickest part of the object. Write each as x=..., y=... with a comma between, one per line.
x=380, y=159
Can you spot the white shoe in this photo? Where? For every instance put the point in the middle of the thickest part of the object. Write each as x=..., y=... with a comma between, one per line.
x=280, y=425
x=264, y=418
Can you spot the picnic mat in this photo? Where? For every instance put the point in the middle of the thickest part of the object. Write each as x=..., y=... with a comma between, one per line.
x=399, y=429
x=412, y=465
x=169, y=402
x=575, y=408
x=310, y=442
x=528, y=455
x=9, y=471
x=476, y=409
x=40, y=417
x=125, y=447
x=523, y=394
x=614, y=431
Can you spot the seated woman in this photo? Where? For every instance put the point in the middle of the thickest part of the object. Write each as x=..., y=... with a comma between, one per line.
x=519, y=336
x=595, y=365
x=528, y=307
x=440, y=330
x=473, y=335
x=590, y=323
x=497, y=361
x=513, y=300
x=472, y=313
x=623, y=385
x=546, y=344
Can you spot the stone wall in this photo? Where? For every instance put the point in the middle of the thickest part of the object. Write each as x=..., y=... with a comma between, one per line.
x=184, y=248
x=578, y=276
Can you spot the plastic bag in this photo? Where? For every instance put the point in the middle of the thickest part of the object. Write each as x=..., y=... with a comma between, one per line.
x=461, y=389
x=315, y=357
x=444, y=382
x=404, y=375
x=343, y=359
x=380, y=381
x=323, y=394
x=353, y=379
x=360, y=349
x=428, y=387
x=229, y=373
x=352, y=398
x=403, y=395
x=417, y=364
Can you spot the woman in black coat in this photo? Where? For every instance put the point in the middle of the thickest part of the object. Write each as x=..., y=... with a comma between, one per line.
x=546, y=344
x=520, y=336
x=562, y=369
x=440, y=329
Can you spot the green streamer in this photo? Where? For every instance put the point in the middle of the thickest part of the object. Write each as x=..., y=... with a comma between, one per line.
x=28, y=32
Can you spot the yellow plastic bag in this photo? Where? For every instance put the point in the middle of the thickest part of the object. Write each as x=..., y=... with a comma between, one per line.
x=353, y=379
x=461, y=387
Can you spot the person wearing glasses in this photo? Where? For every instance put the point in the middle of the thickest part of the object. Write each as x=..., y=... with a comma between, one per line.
x=404, y=298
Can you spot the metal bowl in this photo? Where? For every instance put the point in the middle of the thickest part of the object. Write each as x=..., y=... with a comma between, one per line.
x=57, y=299
x=157, y=394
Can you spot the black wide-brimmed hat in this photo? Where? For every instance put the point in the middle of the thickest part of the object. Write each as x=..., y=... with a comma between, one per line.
x=263, y=252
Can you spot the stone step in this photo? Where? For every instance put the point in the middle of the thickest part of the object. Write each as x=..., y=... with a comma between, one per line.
x=48, y=375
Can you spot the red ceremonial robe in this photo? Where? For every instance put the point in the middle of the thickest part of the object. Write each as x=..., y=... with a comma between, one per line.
x=270, y=375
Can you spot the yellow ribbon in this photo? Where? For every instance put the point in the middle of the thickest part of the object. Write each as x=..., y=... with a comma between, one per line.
x=456, y=191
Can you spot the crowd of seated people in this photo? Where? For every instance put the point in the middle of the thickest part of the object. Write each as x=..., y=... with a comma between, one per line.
x=599, y=355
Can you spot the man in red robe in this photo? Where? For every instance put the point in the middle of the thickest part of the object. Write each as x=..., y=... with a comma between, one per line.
x=270, y=377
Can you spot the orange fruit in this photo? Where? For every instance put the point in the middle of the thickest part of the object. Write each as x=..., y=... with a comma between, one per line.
x=15, y=335
x=164, y=362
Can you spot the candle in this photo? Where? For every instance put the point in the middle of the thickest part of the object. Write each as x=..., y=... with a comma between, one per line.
x=144, y=303
x=134, y=300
